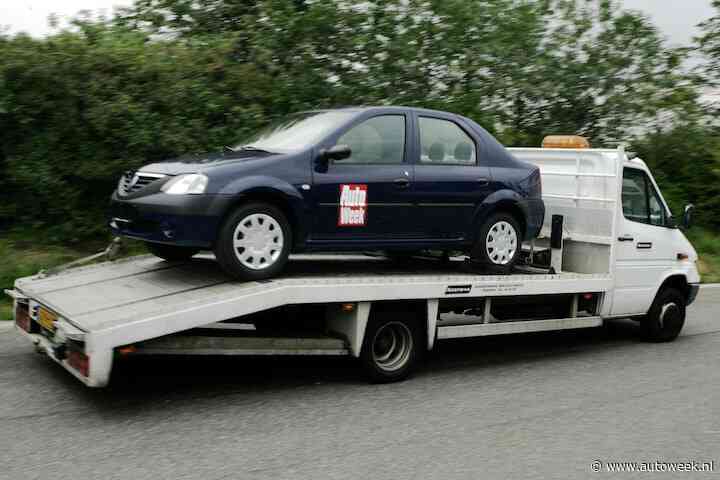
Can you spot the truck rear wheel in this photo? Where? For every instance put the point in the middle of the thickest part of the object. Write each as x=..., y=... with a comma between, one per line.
x=666, y=317
x=391, y=348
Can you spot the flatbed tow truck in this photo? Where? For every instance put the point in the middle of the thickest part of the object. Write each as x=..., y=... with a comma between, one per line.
x=609, y=246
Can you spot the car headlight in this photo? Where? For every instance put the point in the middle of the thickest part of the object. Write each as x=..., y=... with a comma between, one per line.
x=191, y=184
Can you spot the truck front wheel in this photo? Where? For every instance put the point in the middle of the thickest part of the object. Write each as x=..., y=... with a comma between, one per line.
x=666, y=317
x=391, y=348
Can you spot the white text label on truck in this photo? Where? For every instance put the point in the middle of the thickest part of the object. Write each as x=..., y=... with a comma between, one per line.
x=458, y=289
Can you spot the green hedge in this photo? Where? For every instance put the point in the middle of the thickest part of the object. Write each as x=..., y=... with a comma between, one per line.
x=79, y=108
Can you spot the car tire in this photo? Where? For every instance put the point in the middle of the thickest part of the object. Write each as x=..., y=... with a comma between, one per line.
x=171, y=252
x=254, y=242
x=392, y=347
x=666, y=317
x=503, y=257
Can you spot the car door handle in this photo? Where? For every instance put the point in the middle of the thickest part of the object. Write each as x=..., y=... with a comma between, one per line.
x=644, y=245
x=483, y=182
x=626, y=238
x=401, y=182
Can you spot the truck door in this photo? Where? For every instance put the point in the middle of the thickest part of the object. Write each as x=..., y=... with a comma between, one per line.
x=645, y=246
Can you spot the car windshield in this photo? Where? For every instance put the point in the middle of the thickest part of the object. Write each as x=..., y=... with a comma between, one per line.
x=294, y=133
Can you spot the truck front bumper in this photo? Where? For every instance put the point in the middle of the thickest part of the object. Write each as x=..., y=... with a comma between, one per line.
x=693, y=292
x=183, y=220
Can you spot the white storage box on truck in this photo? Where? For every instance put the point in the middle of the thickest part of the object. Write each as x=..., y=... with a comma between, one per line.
x=616, y=252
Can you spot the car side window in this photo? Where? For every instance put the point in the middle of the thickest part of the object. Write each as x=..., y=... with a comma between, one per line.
x=444, y=142
x=379, y=140
x=640, y=201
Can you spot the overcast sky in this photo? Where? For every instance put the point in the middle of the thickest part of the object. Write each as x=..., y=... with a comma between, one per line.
x=676, y=18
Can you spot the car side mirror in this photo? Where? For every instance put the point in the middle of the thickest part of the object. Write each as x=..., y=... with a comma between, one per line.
x=337, y=152
x=687, y=216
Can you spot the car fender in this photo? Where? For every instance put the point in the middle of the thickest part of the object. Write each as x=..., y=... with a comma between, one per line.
x=274, y=190
x=504, y=199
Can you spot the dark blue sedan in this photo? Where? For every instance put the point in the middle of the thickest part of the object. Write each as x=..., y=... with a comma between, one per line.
x=372, y=178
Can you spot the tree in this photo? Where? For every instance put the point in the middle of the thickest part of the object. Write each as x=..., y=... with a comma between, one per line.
x=709, y=45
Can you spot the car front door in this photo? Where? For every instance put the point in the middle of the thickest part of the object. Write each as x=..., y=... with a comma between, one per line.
x=450, y=181
x=367, y=196
x=645, y=247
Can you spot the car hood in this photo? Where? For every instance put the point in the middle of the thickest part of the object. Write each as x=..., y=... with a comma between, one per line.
x=198, y=162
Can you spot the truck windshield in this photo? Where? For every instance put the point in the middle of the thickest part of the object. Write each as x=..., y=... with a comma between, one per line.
x=294, y=133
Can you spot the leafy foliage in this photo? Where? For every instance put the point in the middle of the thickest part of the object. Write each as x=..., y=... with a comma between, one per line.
x=709, y=43
x=166, y=77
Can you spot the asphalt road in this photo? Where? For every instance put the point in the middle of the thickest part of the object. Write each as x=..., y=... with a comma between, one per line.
x=524, y=406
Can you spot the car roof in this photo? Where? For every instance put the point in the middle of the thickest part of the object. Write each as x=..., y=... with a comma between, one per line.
x=399, y=108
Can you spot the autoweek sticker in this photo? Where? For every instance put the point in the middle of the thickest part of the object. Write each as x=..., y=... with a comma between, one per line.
x=353, y=205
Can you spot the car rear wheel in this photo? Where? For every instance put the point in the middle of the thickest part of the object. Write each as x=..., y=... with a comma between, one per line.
x=499, y=243
x=171, y=252
x=254, y=242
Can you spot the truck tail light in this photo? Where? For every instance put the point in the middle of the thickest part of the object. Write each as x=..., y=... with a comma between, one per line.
x=22, y=315
x=79, y=361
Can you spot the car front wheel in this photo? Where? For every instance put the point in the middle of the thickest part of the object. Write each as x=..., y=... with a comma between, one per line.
x=254, y=242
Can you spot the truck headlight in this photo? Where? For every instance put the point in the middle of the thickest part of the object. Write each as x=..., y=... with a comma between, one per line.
x=190, y=184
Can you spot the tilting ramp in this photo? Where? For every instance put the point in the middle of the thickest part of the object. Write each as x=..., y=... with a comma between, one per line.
x=144, y=297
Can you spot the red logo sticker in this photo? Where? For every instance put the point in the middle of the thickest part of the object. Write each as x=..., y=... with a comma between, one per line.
x=353, y=205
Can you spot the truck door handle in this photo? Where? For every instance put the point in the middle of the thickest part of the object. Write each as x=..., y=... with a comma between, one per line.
x=644, y=245
x=626, y=238
x=483, y=182
x=401, y=182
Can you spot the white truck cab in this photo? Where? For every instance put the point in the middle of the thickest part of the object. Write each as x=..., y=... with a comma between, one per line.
x=611, y=245
x=611, y=204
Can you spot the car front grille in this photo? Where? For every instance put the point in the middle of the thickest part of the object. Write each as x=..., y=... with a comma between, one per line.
x=131, y=182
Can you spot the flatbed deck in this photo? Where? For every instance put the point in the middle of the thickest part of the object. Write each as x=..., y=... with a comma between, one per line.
x=144, y=305
x=143, y=289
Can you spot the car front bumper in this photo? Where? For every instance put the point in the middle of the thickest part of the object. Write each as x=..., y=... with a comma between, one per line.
x=183, y=220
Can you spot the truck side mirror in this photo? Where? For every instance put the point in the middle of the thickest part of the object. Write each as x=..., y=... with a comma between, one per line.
x=687, y=216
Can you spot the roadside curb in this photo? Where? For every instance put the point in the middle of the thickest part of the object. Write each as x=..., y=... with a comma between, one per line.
x=6, y=325
x=709, y=285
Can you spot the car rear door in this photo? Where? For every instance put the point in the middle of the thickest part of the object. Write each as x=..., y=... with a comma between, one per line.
x=450, y=180
x=366, y=197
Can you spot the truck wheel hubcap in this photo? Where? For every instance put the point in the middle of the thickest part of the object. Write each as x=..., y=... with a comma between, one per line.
x=670, y=316
x=501, y=243
x=391, y=346
x=258, y=241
